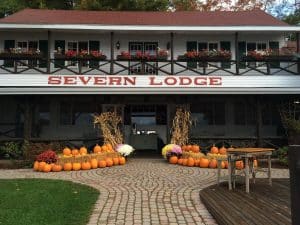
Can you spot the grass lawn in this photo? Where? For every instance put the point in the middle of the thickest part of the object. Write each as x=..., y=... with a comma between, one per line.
x=45, y=202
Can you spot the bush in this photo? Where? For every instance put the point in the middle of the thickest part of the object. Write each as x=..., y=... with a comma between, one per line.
x=11, y=150
x=282, y=154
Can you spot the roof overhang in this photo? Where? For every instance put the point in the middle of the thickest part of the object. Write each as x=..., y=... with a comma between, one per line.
x=6, y=26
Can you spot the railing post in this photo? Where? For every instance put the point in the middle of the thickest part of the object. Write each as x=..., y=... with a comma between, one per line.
x=268, y=68
x=298, y=50
x=237, y=56
x=80, y=66
x=172, y=52
x=112, y=53
x=49, y=52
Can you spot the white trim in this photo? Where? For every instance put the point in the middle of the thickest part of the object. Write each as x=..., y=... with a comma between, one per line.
x=149, y=27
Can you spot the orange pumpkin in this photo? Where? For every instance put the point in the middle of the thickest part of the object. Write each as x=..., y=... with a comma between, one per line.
x=94, y=163
x=184, y=162
x=36, y=166
x=75, y=151
x=116, y=161
x=191, y=161
x=102, y=164
x=56, y=168
x=222, y=165
x=183, y=148
x=86, y=165
x=97, y=149
x=204, y=162
x=47, y=168
x=239, y=164
x=223, y=151
x=180, y=161
x=109, y=147
x=197, y=162
x=41, y=166
x=226, y=164
x=67, y=151
x=104, y=148
x=195, y=148
x=109, y=162
x=68, y=166
x=189, y=148
x=214, y=150
x=76, y=166
x=173, y=159
x=83, y=151
x=213, y=163
x=122, y=160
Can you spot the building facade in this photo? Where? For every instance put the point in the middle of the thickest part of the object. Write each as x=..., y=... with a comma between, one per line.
x=231, y=69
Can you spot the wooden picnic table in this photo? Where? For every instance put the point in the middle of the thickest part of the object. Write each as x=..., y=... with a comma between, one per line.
x=247, y=154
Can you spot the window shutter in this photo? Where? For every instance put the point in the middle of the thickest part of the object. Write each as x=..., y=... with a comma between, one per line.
x=274, y=45
x=8, y=44
x=43, y=46
x=242, y=52
x=94, y=46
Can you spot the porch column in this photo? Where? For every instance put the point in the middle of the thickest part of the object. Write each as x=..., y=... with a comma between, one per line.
x=112, y=56
x=27, y=118
x=297, y=40
x=172, y=52
x=49, y=52
x=298, y=50
x=237, y=58
x=259, y=122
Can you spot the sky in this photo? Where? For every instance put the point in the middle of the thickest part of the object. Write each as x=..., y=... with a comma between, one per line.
x=281, y=8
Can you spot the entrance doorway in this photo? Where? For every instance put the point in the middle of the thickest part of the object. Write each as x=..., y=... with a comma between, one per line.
x=146, y=126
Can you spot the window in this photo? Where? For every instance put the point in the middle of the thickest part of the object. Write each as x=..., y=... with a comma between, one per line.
x=72, y=46
x=261, y=46
x=77, y=113
x=44, y=113
x=212, y=46
x=208, y=113
x=244, y=114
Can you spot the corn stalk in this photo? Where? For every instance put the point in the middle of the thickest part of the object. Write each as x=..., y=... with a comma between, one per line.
x=182, y=123
x=109, y=123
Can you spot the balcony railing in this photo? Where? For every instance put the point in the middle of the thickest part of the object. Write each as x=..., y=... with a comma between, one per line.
x=23, y=64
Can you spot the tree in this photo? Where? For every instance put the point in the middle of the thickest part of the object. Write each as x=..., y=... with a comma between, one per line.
x=10, y=6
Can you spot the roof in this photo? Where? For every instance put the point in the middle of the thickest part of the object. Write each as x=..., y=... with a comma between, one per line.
x=185, y=18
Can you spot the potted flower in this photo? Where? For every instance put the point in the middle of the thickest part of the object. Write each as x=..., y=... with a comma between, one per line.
x=124, y=56
x=18, y=53
x=162, y=54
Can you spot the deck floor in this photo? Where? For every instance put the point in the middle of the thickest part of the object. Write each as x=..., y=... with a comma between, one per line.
x=264, y=205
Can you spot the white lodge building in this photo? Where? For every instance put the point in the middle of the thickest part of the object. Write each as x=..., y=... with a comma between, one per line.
x=58, y=68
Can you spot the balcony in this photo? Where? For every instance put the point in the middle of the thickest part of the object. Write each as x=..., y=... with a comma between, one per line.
x=61, y=65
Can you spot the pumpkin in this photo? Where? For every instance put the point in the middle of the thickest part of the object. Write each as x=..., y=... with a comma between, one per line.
x=56, y=168
x=104, y=148
x=122, y=160
x=195, y=148
x=191, y=161
x=180, y=161
x=68, y=166
x=226, y=164
x=109, y=162
x=102, y=163
x=47, y=168
x=214, y=150
x=109, y=147
x=184, y=162
x=36, y=166
x=223, y=151
x=173, y=159
x=197, y=162
x=183, y=148
x=116, y=161
x=213, y=163
x=97, y=149
x=86, y=165
x=188, y=148
x=204, y=162
x=239, y=164
x=67, y=151
x=222, y=165
x=94, y=163
x=75, y=151
x=255, y=163
x=76, y=166
x=41, y=166
x=83, y=151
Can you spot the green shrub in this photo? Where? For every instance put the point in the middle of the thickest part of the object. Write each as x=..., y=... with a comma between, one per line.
x=11, y=150
x=282, y=154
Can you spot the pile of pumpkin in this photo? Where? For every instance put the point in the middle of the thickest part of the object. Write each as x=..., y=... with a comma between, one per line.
x=76, y=159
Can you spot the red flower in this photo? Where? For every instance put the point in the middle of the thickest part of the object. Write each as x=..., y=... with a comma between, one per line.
x=47, y=156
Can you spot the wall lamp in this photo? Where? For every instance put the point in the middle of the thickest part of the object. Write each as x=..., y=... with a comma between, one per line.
x=118, y=45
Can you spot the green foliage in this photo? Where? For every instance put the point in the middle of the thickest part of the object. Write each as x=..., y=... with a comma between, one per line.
x=293, y=19
x=40, y=201
x=282, y=154
x=11, y=150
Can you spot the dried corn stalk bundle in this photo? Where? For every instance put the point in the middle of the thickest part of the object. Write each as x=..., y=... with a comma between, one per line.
x=181, y=126
x=109, y=123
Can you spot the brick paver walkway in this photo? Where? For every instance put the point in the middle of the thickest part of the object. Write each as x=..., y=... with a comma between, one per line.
x=144, y=191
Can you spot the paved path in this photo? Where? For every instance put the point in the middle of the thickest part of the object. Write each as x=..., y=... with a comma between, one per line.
x=144, y=191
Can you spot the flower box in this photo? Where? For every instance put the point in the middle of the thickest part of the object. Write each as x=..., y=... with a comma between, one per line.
x=203, y=58
x=144, y=58
x=20, y=56
x=80, y=57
